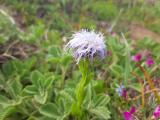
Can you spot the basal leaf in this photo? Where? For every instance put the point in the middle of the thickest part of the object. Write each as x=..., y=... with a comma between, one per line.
x=36, y=78
x=50, y=110
x=41, y=97
x=15, y=87
x=30, y=90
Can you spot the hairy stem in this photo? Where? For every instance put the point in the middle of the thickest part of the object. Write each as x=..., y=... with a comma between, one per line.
x=150, y=82
x=80, y=89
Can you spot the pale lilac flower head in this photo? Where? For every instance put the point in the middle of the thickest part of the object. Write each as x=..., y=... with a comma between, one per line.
x=137, y=57
x=129, y=115
x=87, y=44
x=149, y=61
x=157, y=112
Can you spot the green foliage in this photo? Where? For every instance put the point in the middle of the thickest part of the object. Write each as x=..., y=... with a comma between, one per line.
x=8, y=29
x=104, y=10
x=40, y=87
x=34, y=33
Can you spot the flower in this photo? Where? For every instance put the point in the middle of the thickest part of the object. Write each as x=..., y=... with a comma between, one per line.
x=87, y=44
x=157, y=112
x=113, y=34
x=149, y=62
x=122, y=91
x=137, y=57
x=129, y=115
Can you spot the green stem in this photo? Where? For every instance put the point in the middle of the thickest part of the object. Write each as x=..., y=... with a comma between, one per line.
x=80, y=89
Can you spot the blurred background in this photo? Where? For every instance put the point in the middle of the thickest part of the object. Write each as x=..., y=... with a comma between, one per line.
x=36, y=20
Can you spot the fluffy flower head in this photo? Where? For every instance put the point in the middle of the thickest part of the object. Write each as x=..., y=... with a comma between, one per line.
x=87, y=44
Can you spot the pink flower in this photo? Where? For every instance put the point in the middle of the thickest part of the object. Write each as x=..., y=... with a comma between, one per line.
x=157, y=112
x=129, y=115
x=124, y=94
x=149, y=62
x=121, y=90
x=113, y=34
x=137, y=57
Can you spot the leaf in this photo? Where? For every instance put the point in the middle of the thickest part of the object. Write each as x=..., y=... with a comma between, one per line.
x=101, y=100
x=36, y=78
x=15, y=87
x=3, y=99
x=136, y=86
x=101, y=112
x=6, y=112
x=58, y=110
x=117, y=70
x=48, y=82
x=64, y=106
x=99, y=86
x=7, y=69
x=88, y=97
x=50, y=110
x=54, y=54
x=47, y=118
x=67, y=59
x=33, y=118
x=18, y=66
x=41, y=97
x=30, y=90
x=68, y=94
x=29, y=63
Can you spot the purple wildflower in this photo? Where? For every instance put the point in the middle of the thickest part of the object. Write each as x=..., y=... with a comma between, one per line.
x=157, y=112
x=137, y=57
x=149, y=62
x=122, y=91
x=113, y=34
x=129, y=115
x=85, y=44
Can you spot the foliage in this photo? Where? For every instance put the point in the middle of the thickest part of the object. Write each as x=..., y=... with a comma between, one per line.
x=104, y=10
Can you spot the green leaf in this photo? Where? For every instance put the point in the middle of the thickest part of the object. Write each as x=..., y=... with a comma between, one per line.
x=101, y=112
x=18, y=66
x=36, y=78
x=6, y=112
x=30, y=90
x=48, y=82
x=101, y=100
x=50, y=110
x=88, y=97
x=15, y=87
x=99, y=86
x=55, y=54
x=135, y=86
x=41, y=97
x=7, y=69
x=117, y=70
x=3, y=99
x=30, y=62
x=33, y=118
